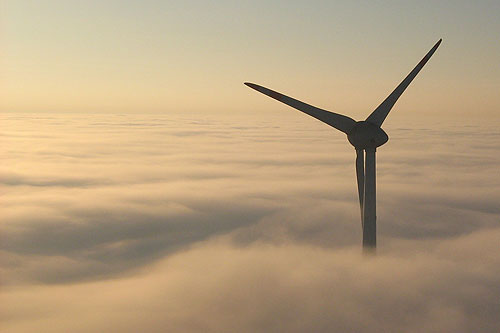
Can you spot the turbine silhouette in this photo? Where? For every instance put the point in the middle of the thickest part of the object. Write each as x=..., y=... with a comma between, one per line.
x=365, y=136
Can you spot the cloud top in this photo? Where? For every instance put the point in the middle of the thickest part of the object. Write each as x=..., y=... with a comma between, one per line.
x=179, y=224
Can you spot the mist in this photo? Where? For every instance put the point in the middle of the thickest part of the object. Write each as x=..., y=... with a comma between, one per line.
x=231, y=223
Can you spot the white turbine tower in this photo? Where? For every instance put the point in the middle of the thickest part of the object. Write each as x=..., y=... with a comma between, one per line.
x=365, y=136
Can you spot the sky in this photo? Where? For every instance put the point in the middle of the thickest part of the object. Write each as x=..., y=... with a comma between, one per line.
x=145, y=188
x=171, y=57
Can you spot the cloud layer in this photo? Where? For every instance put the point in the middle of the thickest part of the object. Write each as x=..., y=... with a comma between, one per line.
x=181, y=224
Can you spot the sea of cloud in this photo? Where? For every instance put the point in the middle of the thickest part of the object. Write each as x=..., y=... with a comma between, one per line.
x=127, y=223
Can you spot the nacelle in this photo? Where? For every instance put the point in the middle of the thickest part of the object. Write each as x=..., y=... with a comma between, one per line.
x=366, y=135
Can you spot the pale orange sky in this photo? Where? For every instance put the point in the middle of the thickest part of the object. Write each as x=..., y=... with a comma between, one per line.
x=193, y=56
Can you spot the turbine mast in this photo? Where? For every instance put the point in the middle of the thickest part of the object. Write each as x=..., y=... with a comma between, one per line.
x=369, y=203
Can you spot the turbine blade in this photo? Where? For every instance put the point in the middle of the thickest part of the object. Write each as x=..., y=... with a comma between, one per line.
x=378, y=116
x=360, y=176
x=338, y=121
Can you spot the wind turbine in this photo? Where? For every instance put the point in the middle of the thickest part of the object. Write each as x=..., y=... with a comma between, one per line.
x=365, y=136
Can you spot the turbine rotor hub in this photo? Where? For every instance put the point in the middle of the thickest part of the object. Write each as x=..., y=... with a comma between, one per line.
x=366, y=135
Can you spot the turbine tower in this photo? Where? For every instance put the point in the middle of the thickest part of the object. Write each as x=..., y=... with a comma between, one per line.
x=365, y=136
